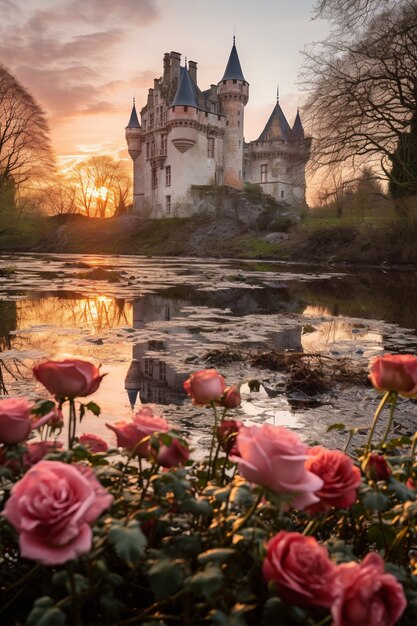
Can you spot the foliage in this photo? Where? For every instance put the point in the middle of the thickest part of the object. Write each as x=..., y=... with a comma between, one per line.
x=188, y=544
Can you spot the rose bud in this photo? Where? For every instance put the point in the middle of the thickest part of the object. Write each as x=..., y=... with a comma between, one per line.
x=205, y=386
x=376, y=467
x=395, y=372
x=93, y=442
x=230, y=398
x=176, y=453
x=227, y=432
x=69, y=378
x=15, y=420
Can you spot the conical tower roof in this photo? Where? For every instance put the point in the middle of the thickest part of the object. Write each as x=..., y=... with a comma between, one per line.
x=185, y=92
x=276, y=127
x=233, y=69
x=297, y=129
x=134, y=120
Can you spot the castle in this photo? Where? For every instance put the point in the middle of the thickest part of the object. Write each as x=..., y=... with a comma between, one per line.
x=190, y=137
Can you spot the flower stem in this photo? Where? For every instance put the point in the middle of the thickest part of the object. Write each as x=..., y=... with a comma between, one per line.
x=384, y=400
x=213, y=440
x=394, y=398
x=72, y=423
x=242, y=521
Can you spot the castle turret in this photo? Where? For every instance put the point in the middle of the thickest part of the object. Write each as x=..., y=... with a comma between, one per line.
x=297, y=129
x=233, y=94
x=133, y=134
x=183, y=114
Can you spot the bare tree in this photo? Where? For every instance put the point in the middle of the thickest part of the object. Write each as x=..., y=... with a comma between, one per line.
x=59, y=197
x=364, y=93
x=25, y=151
x=348, y=16
x=103, y=186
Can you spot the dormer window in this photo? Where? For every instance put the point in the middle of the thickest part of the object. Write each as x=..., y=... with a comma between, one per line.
x=185, y=109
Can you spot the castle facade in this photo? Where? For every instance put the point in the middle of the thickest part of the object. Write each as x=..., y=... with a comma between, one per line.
x=191, y=137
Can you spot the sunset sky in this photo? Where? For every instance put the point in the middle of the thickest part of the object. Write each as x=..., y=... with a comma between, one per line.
x=83, y=60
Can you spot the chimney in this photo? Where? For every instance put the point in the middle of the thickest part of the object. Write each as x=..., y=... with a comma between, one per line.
x=175, y=66
x=192, y=70
x=166, y=68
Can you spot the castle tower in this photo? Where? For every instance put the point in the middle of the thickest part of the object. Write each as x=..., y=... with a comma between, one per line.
x=183, y=114
x=233, y=94
x=133, y=134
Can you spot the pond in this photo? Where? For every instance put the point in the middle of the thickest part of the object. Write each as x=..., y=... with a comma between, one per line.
x=150, y=322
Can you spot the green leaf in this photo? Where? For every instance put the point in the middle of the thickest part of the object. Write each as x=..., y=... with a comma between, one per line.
x=402, y=491
x=93, y=407
x=206, y=583
x=42, y=408
x=197, y=507
x=217, y=555
x=129, y=542
x=374, y=500
x=166, y=577
x=380, y=534
x=44, y=613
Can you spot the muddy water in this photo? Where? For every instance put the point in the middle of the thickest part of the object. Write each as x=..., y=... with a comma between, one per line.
x=153, y=322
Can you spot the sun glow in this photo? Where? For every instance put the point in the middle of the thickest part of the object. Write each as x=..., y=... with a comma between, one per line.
x=100, y=192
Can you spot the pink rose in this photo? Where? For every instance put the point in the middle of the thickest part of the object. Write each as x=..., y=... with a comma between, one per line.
x=230, y=398
x=227, y=432
x=340, y=477
x=38, y=449
x=274, y=457
x=301, y=570
x=376, y=467
x=15, y=420
x=395, y=372
x=174, y=454
x=52, y=508
x=204, y=387
x=93, y=442
x=143, y=425
x=369, y=596
x=69, y=378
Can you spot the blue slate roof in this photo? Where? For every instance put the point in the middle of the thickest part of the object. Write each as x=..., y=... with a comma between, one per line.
x=233, y=70
x=297, y=128
x=276, y=127
x=134, y=121
x=185, y=95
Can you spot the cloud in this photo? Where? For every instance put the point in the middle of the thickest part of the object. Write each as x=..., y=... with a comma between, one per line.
x=64, y=51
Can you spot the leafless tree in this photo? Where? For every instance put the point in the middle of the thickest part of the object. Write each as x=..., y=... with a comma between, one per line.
x=364, y=93
x=25, y=151
x=348, y=16
x=103, y=186
x=59, y=197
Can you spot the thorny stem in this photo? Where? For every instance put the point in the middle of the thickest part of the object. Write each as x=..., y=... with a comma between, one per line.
x=213, y=439
x=384, y=400
x=72, y=423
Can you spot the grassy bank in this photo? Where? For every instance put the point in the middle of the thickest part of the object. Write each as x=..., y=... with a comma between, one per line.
x=320, y=237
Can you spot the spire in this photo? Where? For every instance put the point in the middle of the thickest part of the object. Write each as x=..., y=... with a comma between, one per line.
x=297, y=129
x=233, y=69
x=277, y=126
x=277, y=92
x=134, y=121
x=185, y=92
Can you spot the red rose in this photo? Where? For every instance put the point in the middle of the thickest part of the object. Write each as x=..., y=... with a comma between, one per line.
x=395, y=372
x=143, y=424
x=93, y=442
x=69, y=378
x=368, y=596
x=341, y=478
x=230, y=398
x=227, y=432
x=15, y=420
x=205, y=386
x=301, y=570
x=176, y=453
x=376, y=467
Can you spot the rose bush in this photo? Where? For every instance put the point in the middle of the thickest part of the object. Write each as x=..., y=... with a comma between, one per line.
x=69, y=378
x=15, y=420
x=156, y=533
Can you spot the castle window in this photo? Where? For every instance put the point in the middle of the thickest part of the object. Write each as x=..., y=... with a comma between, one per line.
x=163, y=144
x=238, y=123
x=234, y=81
x=264, y=173
x=224, y=82
x=168, y=205
x=240, y=175
x=147, y=150
x=144, y=124
x=168, y=177
x=152, y=148
x=151, y=119
x=240, y=144
x=185, y=109
x=210, y=147
x=154, y=178
x=282, y=194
